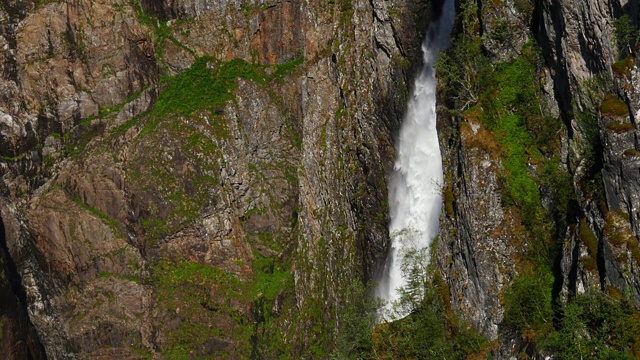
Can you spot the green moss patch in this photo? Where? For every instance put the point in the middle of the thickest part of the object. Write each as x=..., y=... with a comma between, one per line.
x=113, y=224
x=634, y=248
x=613, y=107
x=620, y=128
x=212, y=306
x=105, y=111
x=173, y=172
x=76, y=140
x=208, y=85
x=188, y=291
x=202, y=87
x=449, y=201
x=588, y=237
x=623, y=67
x=161, y=31
x=617, y=228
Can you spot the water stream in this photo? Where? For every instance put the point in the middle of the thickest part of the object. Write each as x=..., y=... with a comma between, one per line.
x=415, y=186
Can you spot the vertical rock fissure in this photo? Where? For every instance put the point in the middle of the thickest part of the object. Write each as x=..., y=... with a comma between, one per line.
x=10, y=268
x=414, y=189
x=24, y=342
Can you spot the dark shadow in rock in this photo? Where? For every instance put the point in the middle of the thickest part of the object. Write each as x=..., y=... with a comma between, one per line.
x=18, y=339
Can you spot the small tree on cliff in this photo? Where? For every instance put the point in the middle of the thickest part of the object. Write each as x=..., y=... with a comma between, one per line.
x=414, y=262
x=626, y=35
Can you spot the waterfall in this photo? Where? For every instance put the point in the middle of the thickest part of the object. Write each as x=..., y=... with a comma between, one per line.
x=415, y=199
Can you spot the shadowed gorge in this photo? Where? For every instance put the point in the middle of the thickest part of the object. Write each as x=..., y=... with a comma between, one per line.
x=18, y=339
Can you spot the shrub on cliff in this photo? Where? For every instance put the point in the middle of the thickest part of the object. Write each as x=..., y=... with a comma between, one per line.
x=626, y=35
x=597, y=326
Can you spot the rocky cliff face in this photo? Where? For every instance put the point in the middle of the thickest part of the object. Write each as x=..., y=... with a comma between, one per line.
x=481, y=239
x=207, y=179
x=579, y=157
x=594, y=81
x=19, y=338
x=184, y=178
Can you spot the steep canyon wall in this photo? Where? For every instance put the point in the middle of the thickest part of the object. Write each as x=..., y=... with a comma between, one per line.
x=196, y=178
x=539, y=142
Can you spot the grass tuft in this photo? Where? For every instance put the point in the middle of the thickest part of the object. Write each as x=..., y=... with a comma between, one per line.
x=620, y=128
x=613, y=107
x=623, y=67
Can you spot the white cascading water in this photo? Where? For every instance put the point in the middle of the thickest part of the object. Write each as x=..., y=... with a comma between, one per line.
x=415, y=186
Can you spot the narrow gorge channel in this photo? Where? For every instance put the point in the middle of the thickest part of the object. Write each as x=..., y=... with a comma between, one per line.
x=415, y=198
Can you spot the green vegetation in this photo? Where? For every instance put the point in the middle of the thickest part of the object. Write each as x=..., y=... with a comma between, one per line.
x=596, y=326
x=449, y=200
x=185, y=286
x=358, y=318
x=613, y=107
x=162, y=32
x=617, y=228
x=591, y=241
x=105, y=275
x=208, y=85
x=346, y=13
x=626, y=35
x=204, y=294
x=13, y=158
x=528, y=303
x=461, y=72
x=270, y=278
x=174, y=196
x=525, y=7
x=200, y=87
x=591, y=147
x=623, y=67
x=512, y=114
x=77, y=138
x=430, y=331
x=104, y=111
x=286, y=68
x=620, y=128
x=506, y=98
x=113, y=224
x=187, y=121
x=122, y=129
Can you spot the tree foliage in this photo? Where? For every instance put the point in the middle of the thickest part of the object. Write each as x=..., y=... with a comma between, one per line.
x=528, y=301
x=357, y=320
x=429, y=331
x=414, y=262
x=626, y=35
x=596, y=326
x=509, y=99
